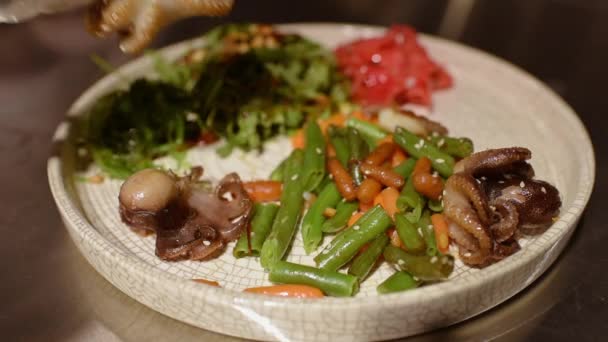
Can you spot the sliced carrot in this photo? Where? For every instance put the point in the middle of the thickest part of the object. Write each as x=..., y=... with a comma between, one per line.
x=297, y=139
x=288, y=290
x=440, y=226
x=331, y=151
x=398, y=157
x=336, y=119
x=264, y=190
x=363, y=207
x=208, y=282
x=363, y=116
x=423, y=165
x=354, y=218
x=387, y=198
x=386, y=139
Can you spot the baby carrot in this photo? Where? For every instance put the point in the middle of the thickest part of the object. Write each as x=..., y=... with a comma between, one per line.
x=264, y=191
x=208, y=282
x=387, y=198
x=398, y=157
x=288, y=290
x=343, y=180
x=428, y=185
x=423, y=165
x=368, y=190
x=440, y=226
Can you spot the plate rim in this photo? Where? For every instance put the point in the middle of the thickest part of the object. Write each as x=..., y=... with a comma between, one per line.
x=79, y=223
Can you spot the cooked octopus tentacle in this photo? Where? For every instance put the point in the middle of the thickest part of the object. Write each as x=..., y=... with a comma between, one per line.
x=465, y=206
x=139, y=21
x=492, y=193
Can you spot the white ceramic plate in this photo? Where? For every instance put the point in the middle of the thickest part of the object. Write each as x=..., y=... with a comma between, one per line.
x=492, y=102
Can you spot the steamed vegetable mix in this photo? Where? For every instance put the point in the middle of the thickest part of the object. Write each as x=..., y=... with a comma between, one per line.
x=330, y=282
x=337, y=138
x=370, y=132
x=285, y=223
x=409, y=235
x=456, y=147
x=314, y=157
x=399, y=281
x=418, y=147
x=313, y=219
x=365, y=261
x=428, y=233
x=372, y=223
x=344, y=211
x=251, y=243
x=423, y=267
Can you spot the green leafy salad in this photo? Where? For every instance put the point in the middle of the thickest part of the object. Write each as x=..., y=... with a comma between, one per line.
x=247, y=84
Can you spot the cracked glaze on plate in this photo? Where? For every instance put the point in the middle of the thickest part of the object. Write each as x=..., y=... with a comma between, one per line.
x=492, y=102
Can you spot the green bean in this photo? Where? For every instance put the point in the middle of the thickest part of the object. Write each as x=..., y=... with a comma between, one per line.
x=409, y=235
x=423, y=267
x=405, y=169
x=241, y=249
x=435, y=205
x=418, y=147
x=314, y=218
x=364, y=262
x=354, y=167
x=250, y=242
x=313, y=169
x=399, y=281
x=330, y=282
x=409, y=197
x=286, y=221
x=358, y=147
x=278, y=172
x=344, y=211
x=337, y=138
x=261, y=224
x=428, y=233
x=371, y=132
x=372, y=223
x=457, y=147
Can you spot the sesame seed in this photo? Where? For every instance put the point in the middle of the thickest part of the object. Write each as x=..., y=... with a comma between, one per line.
x=522, y=184
x=416, y=278
x=319, y=150
x=206, y=243
x=467, y=254
x=356, y=227
x=433, y=260
x=430, y=226
x=501, y=182
x=419, y=230
x=439, y=161
x=435, y=174
x=483, y=178
x=441, y=142
x=401, y=262
x=294, y=177
x=478, y=181
x=543, y=190
x=227, y=196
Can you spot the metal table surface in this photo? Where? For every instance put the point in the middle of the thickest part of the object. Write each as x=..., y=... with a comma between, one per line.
x=48, y=290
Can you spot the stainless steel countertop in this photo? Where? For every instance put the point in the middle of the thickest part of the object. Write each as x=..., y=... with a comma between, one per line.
x=48, y=290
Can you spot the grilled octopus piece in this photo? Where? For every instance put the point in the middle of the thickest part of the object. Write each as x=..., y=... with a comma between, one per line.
x=190, y=221
x=491, y=199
